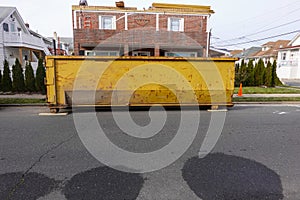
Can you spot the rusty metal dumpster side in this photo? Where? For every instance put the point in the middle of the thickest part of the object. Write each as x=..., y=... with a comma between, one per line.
x=136, y=81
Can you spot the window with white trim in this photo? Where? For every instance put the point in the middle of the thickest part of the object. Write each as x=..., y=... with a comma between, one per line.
x=107, y=22
x=175, y=24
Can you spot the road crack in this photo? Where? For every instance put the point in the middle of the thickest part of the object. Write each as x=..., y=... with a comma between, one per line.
x=22, y=180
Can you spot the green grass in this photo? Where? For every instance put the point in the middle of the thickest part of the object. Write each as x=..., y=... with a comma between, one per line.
x=21, y=101
x=261, y=90
x=265, y=99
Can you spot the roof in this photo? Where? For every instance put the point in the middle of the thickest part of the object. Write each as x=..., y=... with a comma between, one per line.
x=156, y=8
x=235, y=52
x=38, y=35
x=290, y=47
x=273, y=48
x=294, y=39
x=5, y=12
x=219, y=52
x=247, y=52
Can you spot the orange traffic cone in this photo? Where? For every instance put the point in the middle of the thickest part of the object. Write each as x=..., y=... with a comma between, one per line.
x=240, y=90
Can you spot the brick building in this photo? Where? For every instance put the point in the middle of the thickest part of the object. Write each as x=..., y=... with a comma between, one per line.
x=160, y=30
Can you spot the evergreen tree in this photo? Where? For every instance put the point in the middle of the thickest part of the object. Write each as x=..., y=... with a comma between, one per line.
x=29, y=78
x=243, y=72
x=18, y=84
x=275, y=80
x=6, y=79
x=259, y=73
x=268, y=74
x=237, y=78
x=40, y=76
x=250, y=72
x=0, y=80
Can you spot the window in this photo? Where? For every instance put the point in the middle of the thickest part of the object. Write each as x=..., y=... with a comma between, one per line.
x=283, y=56
x=12, y=27
x=101, y=53
x=140, y=53
x=5, y=27
x=181, y=54
x=175, y=24
x=107, y=22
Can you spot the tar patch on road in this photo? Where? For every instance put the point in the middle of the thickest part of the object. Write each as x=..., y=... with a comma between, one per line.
x=104, y=183
x=219, y=177
x=31, y=186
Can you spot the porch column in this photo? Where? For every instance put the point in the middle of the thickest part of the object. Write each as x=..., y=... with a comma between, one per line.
x=126, y=50
x=156, y=50
x=30, y=57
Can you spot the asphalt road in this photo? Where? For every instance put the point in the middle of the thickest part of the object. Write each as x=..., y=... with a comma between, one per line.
x=256, y=157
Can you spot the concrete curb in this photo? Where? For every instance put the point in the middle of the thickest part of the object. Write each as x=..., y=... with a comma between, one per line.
x=269, y=102
x=234, y=103
x=24, y=105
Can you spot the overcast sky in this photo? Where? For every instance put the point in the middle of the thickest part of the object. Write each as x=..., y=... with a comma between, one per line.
x=235, y=21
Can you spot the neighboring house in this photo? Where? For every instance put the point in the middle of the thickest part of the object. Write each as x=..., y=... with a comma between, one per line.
x=235, y=52
x=246, y=54
x=63, y=45
x=215, y=52
x=161, y=30
x=18, y=41
x=289, y=61
x=269, y=51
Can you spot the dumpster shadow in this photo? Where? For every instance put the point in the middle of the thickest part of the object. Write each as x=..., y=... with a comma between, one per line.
x=221, y=177
x=31, y=186
x=103, y=183
x=135, y=108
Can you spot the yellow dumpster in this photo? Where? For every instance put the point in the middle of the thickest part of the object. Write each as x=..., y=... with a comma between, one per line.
x=138, y=81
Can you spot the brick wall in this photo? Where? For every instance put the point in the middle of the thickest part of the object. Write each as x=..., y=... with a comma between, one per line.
x=141, y=29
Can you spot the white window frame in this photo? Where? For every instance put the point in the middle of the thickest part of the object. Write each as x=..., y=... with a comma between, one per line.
x=113, y=22
x=181, y=24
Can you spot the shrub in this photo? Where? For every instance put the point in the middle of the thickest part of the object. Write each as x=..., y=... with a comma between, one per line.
x=40, y=77
x=29, y=78
x=6, y=79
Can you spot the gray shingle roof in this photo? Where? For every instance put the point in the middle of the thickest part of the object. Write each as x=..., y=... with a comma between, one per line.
x=5, y=11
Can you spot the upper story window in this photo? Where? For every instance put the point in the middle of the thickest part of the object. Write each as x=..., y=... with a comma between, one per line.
x=283, y=56
x=5, y=27
x=107, y=22
x=175, y=24
x=12, y=27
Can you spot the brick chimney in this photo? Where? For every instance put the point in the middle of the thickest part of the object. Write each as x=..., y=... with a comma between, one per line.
x=120, y=4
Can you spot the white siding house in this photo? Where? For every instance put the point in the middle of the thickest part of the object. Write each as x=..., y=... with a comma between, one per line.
x=288, y=61
x=18, y=41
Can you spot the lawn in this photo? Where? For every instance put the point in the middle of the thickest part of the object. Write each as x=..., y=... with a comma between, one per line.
x=262, y=90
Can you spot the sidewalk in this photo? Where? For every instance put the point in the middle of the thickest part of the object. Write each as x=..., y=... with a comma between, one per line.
x=22, y=96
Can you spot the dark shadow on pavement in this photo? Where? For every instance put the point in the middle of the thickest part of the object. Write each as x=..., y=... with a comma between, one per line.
x=224, y=177
x=103, y=183
x=31, y=186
